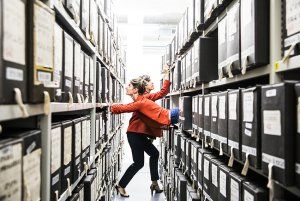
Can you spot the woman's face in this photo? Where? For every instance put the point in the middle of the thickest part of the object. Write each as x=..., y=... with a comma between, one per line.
x=150, y=86
x=130, y=90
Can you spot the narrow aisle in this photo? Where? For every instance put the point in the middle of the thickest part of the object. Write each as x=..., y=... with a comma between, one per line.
x=139, y=187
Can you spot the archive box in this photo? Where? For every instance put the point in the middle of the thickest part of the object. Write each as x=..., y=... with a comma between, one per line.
x=215, y=178
x=236, y=185
x=58, y=62
x=222, y=121
x=76, y=148
x=207, y=176
x=224, y=180
x=185, y=116
x=254, y=192
x=201, y=116
x=92, y=85
x=85, y=17
x=93, y=22
x=86, y=83
x=73, y=8
x=195, y=114
x=207, y=119
x=77, y=73
x=98, y=82
x=222, y=47
x=177, y=147
x=188, y=68
x=183, y=72
x=181, y=186
x=210, y=10
x=104, y=77
x=177, y=75
x=214, y=119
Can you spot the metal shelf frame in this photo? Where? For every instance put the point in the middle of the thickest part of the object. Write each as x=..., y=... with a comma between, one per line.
x=13, y=112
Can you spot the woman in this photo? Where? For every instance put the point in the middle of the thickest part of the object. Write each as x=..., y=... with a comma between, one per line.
x=139, y=134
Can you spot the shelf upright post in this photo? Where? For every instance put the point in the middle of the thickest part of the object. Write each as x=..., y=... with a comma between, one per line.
x=275, y=39
x=93, y=112
x=45, y=126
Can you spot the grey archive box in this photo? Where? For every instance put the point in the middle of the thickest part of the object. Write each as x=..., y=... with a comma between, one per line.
x=255, y=33
x=188, y=68
x=291, y=31
x=177, y=147
x=234, y=123
x=177, y=75
x=224, y=181
x=77, y=73
x=31, y=160
x=90, y=187
x=66, y=155
x=207, y=176
x=58, y=62
x=188, y=157
x=278, y=102
x=195, y=114
x=215, y=178
x=233, y=40
x=221, y=143
x=185, y=116
x=181, y=182
x=222, y=47
x=168, y=55
x=76, y=148
x=207, y=119
x=13, y=50
x=198, y=14
x=297, y=157
x=11, y=169
x=183, y=144
x=40, y=57
x=194, y=160
x=67, y=87
x=254, y=192
x=205, y=64
x=86, y=82
x=201, y=153
x=85, y=16
x=201, y=116
x=98, y=82
x=55, y=149
x=210, y=11
x=92, y=84
x=183, y=72
x=73, y=8
x=235, y=186
x=251, y=125
x=93, y=22
x=104, y=77
x=214, y=119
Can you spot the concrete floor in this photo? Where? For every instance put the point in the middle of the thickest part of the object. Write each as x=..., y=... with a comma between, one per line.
x=139, y=187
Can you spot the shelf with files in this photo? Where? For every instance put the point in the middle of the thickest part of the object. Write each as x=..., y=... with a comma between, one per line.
x=67, y=107
x=71, y=27
x=11, y=112
x=68, y=193
x=251, y=74
x=292, y=63
x=292, y=189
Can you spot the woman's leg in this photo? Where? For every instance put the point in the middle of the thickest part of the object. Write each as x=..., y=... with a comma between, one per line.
x=136, y=143
x=152, y=151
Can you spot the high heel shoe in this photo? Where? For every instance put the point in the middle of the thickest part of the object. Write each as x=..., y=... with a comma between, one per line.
x=118, y=192
x=155, y=187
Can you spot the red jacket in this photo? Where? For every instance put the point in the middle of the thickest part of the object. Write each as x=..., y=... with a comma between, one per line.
x=136, y=122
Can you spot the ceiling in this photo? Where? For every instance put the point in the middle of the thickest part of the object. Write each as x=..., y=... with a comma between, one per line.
x=158, y=23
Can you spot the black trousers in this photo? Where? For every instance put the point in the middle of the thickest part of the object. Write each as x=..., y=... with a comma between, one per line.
x=139, y=144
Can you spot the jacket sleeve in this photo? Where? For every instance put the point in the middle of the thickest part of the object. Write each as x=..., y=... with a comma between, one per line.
x=125, y=108
x=160, y=94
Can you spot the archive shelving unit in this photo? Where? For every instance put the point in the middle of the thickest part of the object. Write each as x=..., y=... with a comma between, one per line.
x=273, y=73
x=45, y=111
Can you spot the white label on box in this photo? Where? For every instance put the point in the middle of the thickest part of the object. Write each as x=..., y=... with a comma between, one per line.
x=222, y=107
x=55, y=149
x=232, y=22
x=248, y=196
x=298, y=115
x=67, y=145
x=248, y=125
x=214, y=104
x=233, y=144
x=222, y=31
x=248, y=98
x=88, y=132
x=214, y=175
x=58, y=48
x=14, y=74
x=250, y=150
x=271, y=93
x=276, y=161
x=10, y=174
x=200, y=105
x=44, y=77
x=78, y=139
x=44, y=40
x=232, y=106
x=248, y=132
x=55, y=179
x=292, y=16
x=68, y=57
x=84, y=135
x=235, y=191
x=246, y=12
x=272, y=122
x=14, y=31
x=32, y=174
x=297, y=168
x=206, y=104
x=223, y=183
x=206, y=169
x=200, y=162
